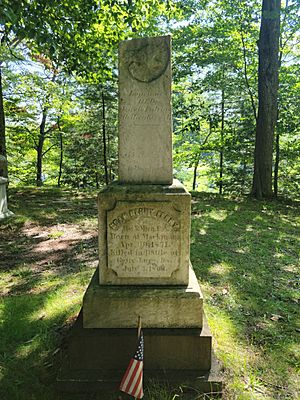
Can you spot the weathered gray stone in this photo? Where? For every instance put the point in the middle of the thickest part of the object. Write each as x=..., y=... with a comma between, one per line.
x=144, y=240
x=95, y=359
x=145, y=119
x=159, y=307
x=3, y=166
x=4, y=211
x=144, y=233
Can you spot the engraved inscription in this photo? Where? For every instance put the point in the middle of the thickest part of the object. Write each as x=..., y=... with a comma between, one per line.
x=141, y=110
x=143, y=240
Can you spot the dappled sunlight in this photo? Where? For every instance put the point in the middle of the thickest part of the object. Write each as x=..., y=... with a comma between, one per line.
x=220, y=268
x=53, y=307
x=25, y=349
x=219, y=215
x=247, y=265
x=224, y=327
x=44, y=272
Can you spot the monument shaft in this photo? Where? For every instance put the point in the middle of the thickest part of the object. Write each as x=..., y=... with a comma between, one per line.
x=145, y=118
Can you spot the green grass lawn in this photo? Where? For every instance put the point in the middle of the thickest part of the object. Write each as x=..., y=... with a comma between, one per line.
x=245, y=254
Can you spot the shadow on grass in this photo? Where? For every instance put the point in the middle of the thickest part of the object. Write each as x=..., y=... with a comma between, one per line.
x=48, y=206
x=246, y=253
x=44, y=271
x=28, y=336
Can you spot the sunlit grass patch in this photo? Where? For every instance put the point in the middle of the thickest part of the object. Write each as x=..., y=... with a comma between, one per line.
x=248, y=266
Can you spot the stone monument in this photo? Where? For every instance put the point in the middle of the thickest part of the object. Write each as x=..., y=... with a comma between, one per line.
x=144, y=246
x=4, y=211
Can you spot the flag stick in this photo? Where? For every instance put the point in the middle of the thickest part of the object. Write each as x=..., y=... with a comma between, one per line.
x=139, y=332
x=139, y=326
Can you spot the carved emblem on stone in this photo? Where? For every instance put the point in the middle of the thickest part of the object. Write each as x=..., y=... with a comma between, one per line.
x=147, y=60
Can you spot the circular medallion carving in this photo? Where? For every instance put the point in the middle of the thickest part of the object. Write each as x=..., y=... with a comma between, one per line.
x=148, y=61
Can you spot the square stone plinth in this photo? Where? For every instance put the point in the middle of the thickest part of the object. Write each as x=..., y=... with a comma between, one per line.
x=144, y=234
x=159, y=307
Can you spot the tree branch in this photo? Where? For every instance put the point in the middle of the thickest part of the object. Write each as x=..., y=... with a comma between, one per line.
x=45, y=152
x=33, y=138
x=206, y=139
x=13, y=54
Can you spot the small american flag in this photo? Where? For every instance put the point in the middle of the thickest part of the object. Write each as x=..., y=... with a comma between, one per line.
x=132, y=382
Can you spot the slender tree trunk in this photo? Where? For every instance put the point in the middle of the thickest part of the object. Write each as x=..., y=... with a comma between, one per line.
x=277, y=159
x=97, y=179
x=268, y=49
x=244, y=174
x=61, y=156
x=104, y=141
x=39, y=149
x=108, y=158
x=198, y=156
x=3, y=171
x=246, y=75
x=277, y=134
x=196, y=164
x=222, y=142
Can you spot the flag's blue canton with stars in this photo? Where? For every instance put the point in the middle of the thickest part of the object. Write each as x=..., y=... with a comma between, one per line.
x=132, y=382
x=139, y=354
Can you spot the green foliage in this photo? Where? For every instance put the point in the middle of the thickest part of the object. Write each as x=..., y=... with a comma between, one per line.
x=215, y=85
x=215, y=56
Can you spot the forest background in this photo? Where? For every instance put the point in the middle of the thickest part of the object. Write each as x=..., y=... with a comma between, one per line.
x=59, y=114
x=232, y=123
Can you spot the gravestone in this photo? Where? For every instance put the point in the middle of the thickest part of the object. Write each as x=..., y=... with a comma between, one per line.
x=144, y=248
x=4, y=211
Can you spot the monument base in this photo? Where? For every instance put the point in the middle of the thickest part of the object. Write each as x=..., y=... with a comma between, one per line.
x=106, y=306
x=94, y=360
x=144, y=234
x=6, y=214
x=4, y=211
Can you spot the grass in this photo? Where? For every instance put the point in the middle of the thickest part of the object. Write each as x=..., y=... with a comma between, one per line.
x=245, y=254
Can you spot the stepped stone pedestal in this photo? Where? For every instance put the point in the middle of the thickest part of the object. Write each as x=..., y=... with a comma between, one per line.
x=159, y=307
x=144, y=251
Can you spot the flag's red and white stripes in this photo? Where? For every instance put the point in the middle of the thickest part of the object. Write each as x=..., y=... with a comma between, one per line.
x=132, y=382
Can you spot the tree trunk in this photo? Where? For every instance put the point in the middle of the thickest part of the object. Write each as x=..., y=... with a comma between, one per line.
x=222, y=142
x=61, y=156
x=276, y=167
x=3, y=171
x=104, y=140
x=108, y=158
x=277, y=138
x=196, y=164
x=268, y=49
x=39, y=149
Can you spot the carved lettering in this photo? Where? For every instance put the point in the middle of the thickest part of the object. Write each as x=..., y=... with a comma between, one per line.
x=144, y=241
x=145, y=212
